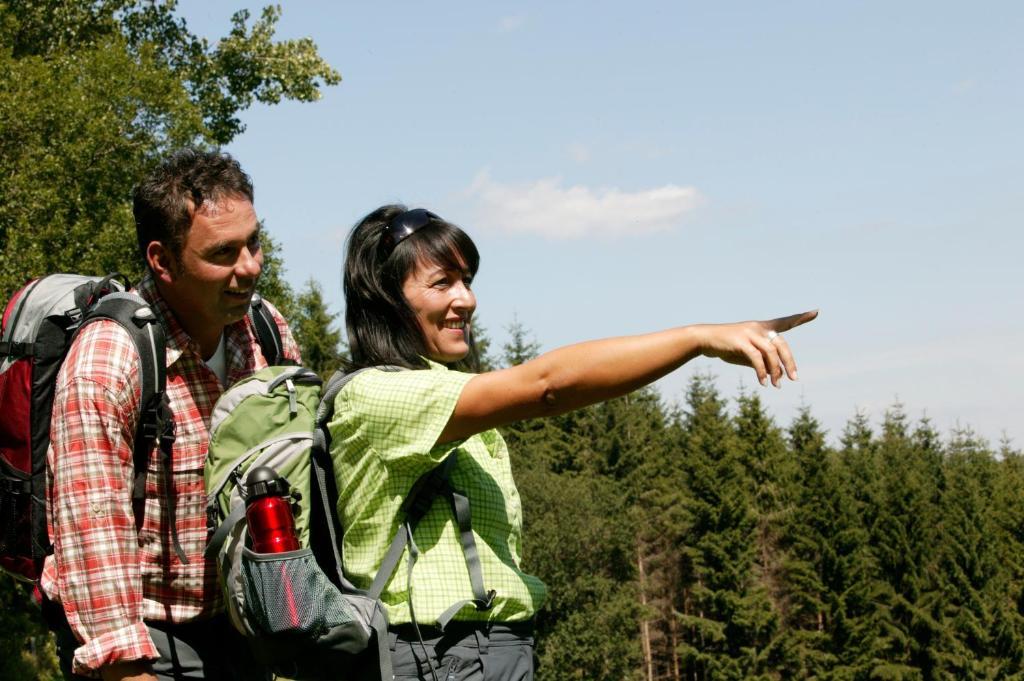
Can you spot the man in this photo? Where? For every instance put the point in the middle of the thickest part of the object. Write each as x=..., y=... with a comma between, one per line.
x=135, y=609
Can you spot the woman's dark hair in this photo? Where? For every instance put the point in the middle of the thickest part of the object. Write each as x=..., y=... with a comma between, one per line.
x=382, y=328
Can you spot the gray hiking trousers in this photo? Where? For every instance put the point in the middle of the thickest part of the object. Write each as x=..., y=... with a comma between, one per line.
x=499, y=652
x=210, y=650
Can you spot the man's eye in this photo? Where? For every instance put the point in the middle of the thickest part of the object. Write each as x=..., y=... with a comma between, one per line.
x=440, y=283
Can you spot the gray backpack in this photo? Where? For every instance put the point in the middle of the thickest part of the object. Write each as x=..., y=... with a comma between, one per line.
x=40, y=322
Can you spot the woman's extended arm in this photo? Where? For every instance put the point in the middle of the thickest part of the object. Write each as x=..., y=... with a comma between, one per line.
x=578, y=375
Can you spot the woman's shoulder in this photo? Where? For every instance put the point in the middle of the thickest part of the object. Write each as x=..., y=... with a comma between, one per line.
x=397, y=413
x=389, y=388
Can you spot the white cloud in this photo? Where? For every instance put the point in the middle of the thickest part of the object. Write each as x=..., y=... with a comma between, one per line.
x=547, y=208
x=511, y=23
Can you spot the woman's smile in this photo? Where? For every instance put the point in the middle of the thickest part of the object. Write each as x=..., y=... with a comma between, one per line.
x=443, y=304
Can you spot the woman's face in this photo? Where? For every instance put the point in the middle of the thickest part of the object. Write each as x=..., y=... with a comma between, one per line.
x=443, y=304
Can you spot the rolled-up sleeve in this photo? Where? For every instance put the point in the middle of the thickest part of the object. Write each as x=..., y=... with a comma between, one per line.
x=93, y=527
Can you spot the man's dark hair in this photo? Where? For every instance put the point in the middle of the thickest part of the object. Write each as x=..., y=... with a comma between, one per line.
x=382, y=328
x=166, y=200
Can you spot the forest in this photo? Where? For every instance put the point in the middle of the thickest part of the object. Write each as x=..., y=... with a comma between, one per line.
x=692, y=541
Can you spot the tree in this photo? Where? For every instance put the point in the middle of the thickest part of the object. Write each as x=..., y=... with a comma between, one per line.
x=313, y=325
x=521, y=346
x=95, y=92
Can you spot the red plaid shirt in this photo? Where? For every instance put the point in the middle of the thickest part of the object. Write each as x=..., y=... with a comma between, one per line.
x=109, y=575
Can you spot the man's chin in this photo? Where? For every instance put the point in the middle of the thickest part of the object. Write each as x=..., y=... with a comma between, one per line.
x=236, y=311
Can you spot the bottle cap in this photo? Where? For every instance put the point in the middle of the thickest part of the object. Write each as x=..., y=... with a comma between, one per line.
x=264, y=481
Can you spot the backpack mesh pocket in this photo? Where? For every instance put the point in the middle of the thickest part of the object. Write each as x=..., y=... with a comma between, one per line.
x=289, y=593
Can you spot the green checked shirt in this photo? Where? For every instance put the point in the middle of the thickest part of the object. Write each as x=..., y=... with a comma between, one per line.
x=383, y=435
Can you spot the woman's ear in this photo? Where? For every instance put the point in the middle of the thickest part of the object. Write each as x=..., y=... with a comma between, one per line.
x=161, y=262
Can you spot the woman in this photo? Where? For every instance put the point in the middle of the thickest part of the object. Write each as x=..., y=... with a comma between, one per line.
x=409, y=304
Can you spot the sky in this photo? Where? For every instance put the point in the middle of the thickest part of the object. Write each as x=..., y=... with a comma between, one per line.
x=630, y=167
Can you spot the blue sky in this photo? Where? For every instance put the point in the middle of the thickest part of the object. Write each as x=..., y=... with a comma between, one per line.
x=627, y=167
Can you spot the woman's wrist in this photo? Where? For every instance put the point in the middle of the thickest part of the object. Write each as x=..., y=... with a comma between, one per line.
x=700, y=337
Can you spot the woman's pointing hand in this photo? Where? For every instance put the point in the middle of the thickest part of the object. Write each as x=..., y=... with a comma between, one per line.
x=759, y=345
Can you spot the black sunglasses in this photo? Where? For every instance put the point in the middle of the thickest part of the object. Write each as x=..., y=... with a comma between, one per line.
x=402, y=226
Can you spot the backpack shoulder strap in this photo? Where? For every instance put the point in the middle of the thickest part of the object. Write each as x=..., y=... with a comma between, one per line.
x=136, y=317
x=325, y=501
x=267, y=333
x=156, y=423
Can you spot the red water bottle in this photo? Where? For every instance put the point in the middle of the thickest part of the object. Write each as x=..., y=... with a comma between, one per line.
x=268, y=512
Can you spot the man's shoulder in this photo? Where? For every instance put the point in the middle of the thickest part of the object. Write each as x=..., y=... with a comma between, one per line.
x=102, y=352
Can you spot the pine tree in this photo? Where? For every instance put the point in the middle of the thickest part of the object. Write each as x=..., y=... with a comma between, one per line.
x=850, y=570
x=771, y=471
x=1008, y=515
x=521, y=345
x=818, y=511
x=903, y=540
x=316, y=331
x=724, y=612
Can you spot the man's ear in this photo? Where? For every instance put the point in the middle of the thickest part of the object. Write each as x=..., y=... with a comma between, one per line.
x=161, y=262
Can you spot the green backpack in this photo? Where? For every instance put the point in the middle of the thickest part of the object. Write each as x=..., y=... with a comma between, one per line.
x=305, y=619
x=302, y=616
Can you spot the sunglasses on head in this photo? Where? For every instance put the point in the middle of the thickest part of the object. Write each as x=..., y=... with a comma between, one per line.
x=402, y=226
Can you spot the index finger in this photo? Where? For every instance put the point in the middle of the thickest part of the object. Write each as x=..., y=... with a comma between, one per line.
x=792, y=321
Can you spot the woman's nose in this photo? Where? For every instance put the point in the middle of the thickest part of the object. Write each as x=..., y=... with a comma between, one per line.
x=465, y=299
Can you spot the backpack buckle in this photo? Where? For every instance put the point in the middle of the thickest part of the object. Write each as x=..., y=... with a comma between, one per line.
x=143, y=316
x=487, y=604
x=167, y=435
x=212, y=520
x=15, y=486
x=150, y=423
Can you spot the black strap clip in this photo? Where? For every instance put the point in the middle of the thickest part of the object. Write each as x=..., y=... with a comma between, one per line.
x=167, y=435
x=15, y=486
x=488, y=603
x=75, y=314
x=17, y=349
x=212, y=520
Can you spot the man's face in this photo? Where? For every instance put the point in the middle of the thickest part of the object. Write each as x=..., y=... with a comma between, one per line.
x=210, y=283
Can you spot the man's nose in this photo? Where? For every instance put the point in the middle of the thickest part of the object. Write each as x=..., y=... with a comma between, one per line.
x=250, y=263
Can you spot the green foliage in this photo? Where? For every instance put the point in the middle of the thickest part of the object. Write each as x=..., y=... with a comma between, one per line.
x=244, y=67
x=315, y=330
x=521, y=346
x=272, y=284
x=713, y=545
x=94, y=94
x=26, y=649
